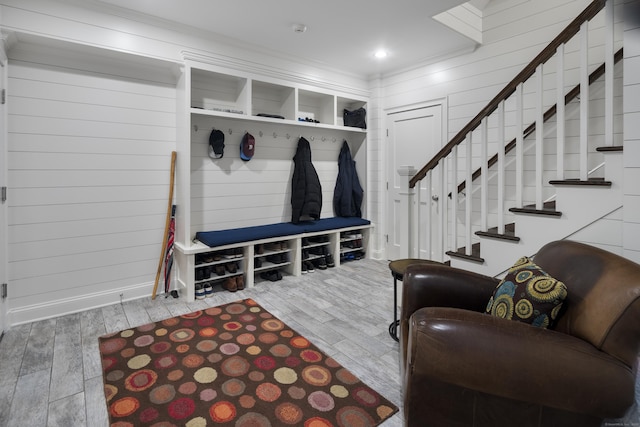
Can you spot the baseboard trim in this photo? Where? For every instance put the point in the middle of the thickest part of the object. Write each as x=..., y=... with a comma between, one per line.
x=61, y=307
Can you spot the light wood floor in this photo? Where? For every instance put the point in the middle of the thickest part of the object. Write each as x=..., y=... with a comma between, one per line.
x=50, y=370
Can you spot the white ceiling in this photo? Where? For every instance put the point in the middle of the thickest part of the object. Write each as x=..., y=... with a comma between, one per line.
x=340, y=34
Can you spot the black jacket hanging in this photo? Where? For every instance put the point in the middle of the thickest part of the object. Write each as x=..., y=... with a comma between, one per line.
x=306, y=191
x=348, y=193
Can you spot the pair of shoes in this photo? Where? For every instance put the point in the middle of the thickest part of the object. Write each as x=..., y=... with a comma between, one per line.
x=231, y=284
x=272, y=275
x=359, y=255
x=257, y=262
x=277, y=258
x=240, y=282
x=305, y=253
x=303, y=267
x=319, y=239
x=276, y=246
x=259, y=249
x=318, y=250
x=200, y=273
x=309, y=266
x=220, y=270
x=200, y=292
x=320, y=263
x=233, y=253
x=208, y=290
x=232, y=267
x=305, y=241
x=329, y=260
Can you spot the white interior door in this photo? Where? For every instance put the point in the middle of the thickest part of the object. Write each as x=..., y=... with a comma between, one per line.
x=3, y=183
x=414, y=137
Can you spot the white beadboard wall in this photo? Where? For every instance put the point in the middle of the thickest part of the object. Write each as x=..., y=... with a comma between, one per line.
x=631, y=224
x=89, y=146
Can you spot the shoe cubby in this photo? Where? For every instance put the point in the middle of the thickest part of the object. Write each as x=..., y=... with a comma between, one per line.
x=352, y=245
x=273, y=100
x=317, y=253
x=216, y=266
x=315, y=107
x=271, y=255
x=219, y=92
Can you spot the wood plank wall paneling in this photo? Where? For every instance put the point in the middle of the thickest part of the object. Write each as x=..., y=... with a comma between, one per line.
x=230, y=193
x=88, y=156
x=631, y=230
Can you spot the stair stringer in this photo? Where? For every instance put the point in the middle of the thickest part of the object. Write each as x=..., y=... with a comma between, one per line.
x=581, y=206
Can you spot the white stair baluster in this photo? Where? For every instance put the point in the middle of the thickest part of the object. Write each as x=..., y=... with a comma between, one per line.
x=560, y=116
x=501, y=167
x=454, y=199
x=484, y=176
x=519, y=146
x=539, y=137
x=584, y=100
x=609, y=74
x=468, y=199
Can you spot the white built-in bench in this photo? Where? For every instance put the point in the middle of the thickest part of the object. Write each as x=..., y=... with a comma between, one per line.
x=339, y=232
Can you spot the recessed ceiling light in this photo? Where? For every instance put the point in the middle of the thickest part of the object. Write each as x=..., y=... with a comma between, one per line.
x=380, y=54
x=299, y=28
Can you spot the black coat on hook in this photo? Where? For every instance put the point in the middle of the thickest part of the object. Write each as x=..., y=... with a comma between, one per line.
x=348, y=193
x=306, y=191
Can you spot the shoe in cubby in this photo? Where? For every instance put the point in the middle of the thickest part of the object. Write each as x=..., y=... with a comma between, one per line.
x=200, y=293
x=208, y=290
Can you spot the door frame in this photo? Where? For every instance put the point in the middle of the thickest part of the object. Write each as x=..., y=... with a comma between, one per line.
x=443, y=104
x=4, y=78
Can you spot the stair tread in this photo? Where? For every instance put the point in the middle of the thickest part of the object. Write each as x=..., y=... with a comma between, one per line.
x=548, y=208
x=615, y=148
x=475, y=253
x=509, y=233
x=574, y=181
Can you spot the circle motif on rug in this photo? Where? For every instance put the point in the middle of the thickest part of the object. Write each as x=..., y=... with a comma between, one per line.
x=331, y=362
x=286, y=334
x=208, y=332
x=128, y=352
x=299, y=342
x=205, y=321
x=159, y=347
x=229, y=348
x=280, y=350
x=112, y=345
x=188, y=388
x=193, y=315
x=181, y=408
x=310, y=356
x=265, y=363
x=365, y=396
x=235, y=366
x=316, y=375
x=253, y=350
x=253, y=419
x=339, y=391
x=321, y=401
x=161, y=332
x=175, y=375
x=226, y=336
x=248, y=318
x=140, y=380
x=268, y=338
x=213, y=311
x=124, y=407
x=285, y=376
x=115, y=375
x=162, y=394
x=139, y=361
x=354, y=416
x=146, y=328
x=208, y=394
x=109, y=391
x=232, y=326
x=196, y=422
x=247, y=402
x=222, y=412
x=173, y=321
x=236, y=308
x=292, y=361
x=182, y=348
x=126, y=333
x=149, y=415
x=317, y=422
x=346, y=377
x=207, y=345
x=205, y=375
x=272, y=325
x=245, y=339
x=192, y=360
x=165, y=362
x=182, y=335
x=108, y=363
x=233, y=387
x=256, y=376
x=296, y=392
x=288, y=413
x=268, y=392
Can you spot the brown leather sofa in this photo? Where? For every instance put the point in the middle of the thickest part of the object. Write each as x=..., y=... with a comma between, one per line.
x=462, y=367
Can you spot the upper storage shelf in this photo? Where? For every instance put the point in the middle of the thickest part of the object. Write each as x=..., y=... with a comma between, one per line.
x=225, y=95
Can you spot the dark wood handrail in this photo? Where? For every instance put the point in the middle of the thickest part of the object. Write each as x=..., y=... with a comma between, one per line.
x=566, y=35
x=570, y=96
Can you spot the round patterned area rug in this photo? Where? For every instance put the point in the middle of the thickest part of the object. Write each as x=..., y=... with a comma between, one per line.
x=236, y=365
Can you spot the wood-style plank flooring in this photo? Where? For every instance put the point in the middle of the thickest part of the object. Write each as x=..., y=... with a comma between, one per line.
x=50, y=372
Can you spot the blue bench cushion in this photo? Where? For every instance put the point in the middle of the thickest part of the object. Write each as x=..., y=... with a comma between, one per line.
x=259, y=232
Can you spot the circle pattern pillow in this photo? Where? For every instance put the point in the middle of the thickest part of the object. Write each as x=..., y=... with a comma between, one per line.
x=528, y=294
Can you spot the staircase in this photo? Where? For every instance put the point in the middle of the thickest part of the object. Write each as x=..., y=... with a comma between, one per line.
x=556, y=161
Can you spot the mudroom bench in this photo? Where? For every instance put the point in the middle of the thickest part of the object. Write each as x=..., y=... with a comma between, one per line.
x=253, y=252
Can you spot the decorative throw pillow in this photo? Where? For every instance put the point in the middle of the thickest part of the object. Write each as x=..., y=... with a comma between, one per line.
x=528, y=294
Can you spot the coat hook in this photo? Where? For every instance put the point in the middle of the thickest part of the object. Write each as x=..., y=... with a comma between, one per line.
x=195, y=128
x=275, y=135
x=323, y=139
x=313, y=138
x=260, y=133
x=334, y=139
x=230, y=131
x=288, y=136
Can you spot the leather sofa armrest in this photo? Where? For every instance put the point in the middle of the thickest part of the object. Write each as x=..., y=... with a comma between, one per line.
x=438, y=285
x=515, y=360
